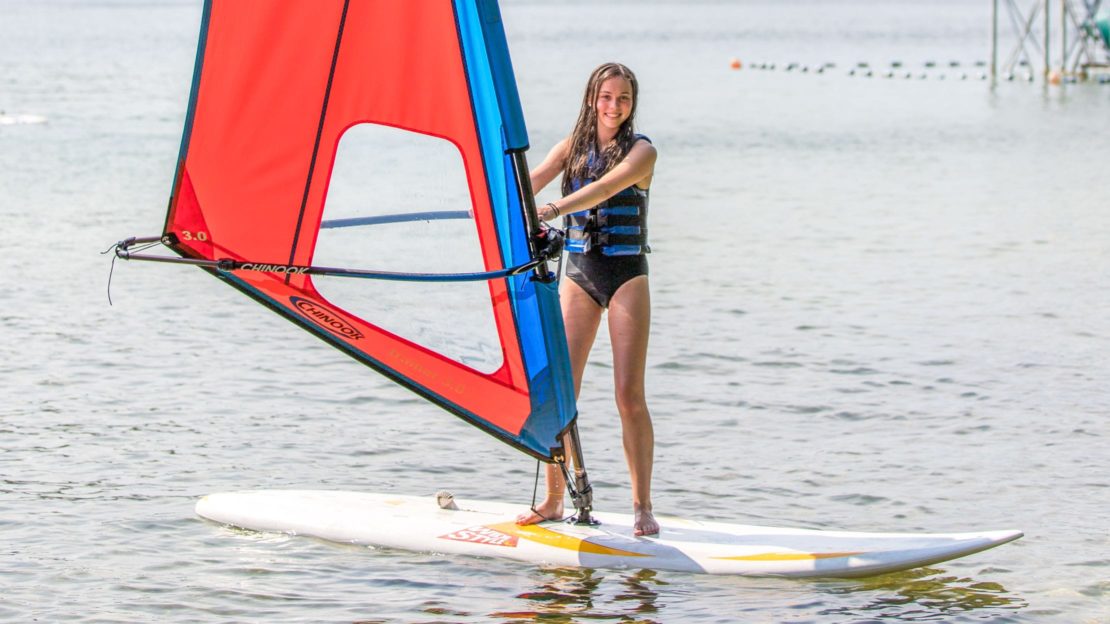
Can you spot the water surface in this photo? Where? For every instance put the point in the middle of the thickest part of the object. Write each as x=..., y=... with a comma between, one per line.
x=878, y=305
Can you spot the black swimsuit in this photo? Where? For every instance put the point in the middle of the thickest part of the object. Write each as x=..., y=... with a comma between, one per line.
x=600, y=275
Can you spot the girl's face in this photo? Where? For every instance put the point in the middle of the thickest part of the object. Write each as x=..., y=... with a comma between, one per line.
x=614, y=103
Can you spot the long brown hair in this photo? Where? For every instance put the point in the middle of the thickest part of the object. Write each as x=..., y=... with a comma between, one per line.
x=583, y=139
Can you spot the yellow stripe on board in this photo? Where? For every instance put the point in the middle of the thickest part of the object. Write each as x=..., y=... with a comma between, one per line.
x=547, y=537
x=788, y=556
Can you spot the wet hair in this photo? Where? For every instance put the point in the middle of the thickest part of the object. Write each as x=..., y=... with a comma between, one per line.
x=583, y=139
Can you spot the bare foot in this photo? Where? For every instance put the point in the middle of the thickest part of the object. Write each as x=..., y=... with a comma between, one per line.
x=643, y=522
x=549, y=509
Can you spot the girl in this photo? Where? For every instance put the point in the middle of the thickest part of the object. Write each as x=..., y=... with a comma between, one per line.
x=606, y=169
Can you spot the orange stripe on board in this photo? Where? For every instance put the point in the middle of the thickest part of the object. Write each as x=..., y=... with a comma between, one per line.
x=547, y=537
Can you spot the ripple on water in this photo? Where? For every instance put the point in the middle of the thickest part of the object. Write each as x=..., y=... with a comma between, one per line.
x=859, y=370
x=859, y=499
x=777, y=364
x=925, y=592
x=807, y=409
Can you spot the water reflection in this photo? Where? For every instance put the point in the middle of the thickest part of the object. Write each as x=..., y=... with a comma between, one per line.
x=566, y=595
x=923, y=594
x=571, y=594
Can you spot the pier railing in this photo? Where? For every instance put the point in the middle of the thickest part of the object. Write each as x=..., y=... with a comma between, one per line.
x=1061, y=40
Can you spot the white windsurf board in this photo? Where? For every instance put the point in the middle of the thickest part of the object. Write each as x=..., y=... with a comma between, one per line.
x=487, y=529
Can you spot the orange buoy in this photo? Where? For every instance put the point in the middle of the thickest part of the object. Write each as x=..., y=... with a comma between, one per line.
x=735, y=63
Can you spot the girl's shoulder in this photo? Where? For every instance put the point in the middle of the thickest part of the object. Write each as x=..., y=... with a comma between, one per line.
x=643, y=147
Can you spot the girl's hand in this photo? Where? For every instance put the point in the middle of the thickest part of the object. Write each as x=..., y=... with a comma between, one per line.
x=548, y=212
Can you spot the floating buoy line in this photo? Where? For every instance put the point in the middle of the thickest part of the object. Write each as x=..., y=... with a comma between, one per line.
x=928, y=70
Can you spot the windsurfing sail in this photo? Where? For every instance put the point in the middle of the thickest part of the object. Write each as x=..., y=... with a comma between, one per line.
x=278, y=88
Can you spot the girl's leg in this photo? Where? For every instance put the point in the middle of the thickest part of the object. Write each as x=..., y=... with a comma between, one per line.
x=629, y=324
x=581, y=317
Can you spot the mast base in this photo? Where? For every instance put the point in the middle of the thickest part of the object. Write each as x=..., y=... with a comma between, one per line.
x=578, y=483
x=583, y=518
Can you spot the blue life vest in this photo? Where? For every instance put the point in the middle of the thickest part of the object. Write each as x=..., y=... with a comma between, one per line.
x=616, y=226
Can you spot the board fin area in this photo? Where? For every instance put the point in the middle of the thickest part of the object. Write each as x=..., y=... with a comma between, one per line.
x=484, y=528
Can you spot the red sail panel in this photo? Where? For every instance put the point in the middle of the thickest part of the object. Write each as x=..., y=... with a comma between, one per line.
x=274, y=97
x=419, y=85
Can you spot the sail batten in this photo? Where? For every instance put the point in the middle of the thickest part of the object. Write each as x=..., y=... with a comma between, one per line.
x=278, y=85
x=319, y=136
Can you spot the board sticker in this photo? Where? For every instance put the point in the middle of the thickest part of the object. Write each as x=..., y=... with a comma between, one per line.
x=482, y=535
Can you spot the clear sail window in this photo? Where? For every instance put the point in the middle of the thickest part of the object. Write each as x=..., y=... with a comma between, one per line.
x=399, y=201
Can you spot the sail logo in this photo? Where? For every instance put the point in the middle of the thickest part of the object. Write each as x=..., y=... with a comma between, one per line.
x=273, y=268
x=326, y=318
x=482, y=535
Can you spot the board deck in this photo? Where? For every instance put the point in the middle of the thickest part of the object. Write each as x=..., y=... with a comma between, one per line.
x=487, y=529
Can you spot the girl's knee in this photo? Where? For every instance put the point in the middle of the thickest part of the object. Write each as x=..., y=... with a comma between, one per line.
x=632, y=405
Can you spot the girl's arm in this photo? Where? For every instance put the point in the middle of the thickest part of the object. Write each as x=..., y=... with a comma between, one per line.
x=636, y=167
x=551, y=167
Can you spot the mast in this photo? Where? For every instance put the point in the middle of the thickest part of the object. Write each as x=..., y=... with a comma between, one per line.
x=582, y=493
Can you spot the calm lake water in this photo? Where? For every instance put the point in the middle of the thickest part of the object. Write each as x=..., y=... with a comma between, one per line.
x=879, y=304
